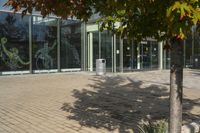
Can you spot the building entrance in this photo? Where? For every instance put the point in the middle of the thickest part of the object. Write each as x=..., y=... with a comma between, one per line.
x=139, y=56
x=148, y=55
x=129, y=55
x=100, y=45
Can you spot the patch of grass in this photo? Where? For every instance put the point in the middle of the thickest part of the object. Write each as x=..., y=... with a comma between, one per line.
x=154, y=127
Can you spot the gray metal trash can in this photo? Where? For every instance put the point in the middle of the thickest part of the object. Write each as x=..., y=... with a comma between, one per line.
x=100, y=66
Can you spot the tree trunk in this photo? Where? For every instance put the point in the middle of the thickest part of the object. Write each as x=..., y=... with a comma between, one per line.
x=176, y=86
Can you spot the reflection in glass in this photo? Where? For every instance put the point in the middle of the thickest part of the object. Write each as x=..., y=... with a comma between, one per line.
x=145, y=56
x=196, y=52
x=44, y=43
x=118, y=54
x=134, y=56
x=14, y=42
x=129, y=55
x=196, y=42
x=106, y=49
x=188, y=51
x=95, y=48
x=154, y=55
x=70, y=44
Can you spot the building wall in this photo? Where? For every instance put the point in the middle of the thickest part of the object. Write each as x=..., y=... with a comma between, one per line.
x=33, y=44
x=14, y=45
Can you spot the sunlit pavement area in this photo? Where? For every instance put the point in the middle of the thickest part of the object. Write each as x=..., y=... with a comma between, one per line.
x=85, y=103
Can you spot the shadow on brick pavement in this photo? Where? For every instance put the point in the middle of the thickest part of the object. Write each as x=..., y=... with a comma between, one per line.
x=114, y=104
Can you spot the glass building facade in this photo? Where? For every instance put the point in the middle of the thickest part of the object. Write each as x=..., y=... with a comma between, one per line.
x=34, y=44
x=14, y=43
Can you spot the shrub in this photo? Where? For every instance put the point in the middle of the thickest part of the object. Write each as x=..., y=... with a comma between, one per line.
x=153, y=127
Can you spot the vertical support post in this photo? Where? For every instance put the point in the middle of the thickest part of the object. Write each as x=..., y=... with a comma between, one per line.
x=58, y=44
x=83, y=46
x=90, y=51
x=114, y=53
x=121, y=55
x=160, y=55
x=30, y=44
x=112, y=44
x=151, y=58
x=99, y=40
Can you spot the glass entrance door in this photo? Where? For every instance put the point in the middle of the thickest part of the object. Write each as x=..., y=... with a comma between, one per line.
x=154, y=55
x=148, y=55
x=129, y=55
x=145, y=56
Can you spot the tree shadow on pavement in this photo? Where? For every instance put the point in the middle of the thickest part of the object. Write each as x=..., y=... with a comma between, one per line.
x=119, y=103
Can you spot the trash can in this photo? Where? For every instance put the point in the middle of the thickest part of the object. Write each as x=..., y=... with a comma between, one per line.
x=100, y=66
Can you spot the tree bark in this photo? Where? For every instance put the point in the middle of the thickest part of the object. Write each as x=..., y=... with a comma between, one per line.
x=176, y=86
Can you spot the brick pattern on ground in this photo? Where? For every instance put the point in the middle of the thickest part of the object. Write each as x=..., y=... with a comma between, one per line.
x=85, y=103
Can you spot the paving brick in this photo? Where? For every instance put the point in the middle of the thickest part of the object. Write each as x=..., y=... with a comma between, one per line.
x=33, y=103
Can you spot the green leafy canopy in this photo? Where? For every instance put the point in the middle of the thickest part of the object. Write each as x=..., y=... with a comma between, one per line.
x=160, y=19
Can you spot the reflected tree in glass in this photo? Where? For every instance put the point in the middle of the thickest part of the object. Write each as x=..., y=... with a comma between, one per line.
x=14, y=42
x=70, y=44
x=44, y=43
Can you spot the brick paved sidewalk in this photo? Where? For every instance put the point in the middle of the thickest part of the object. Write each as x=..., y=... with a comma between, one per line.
x=83, y=103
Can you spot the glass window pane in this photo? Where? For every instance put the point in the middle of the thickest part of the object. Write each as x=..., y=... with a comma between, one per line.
x=154, y=55
x=188, y=51
x=71, y=44
x=196, y=57
x=118, y=54
x=95, y=48
x=126, y=55
x=106, y=49
x=44, y=43
x=14, y=42
x=196, y=43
